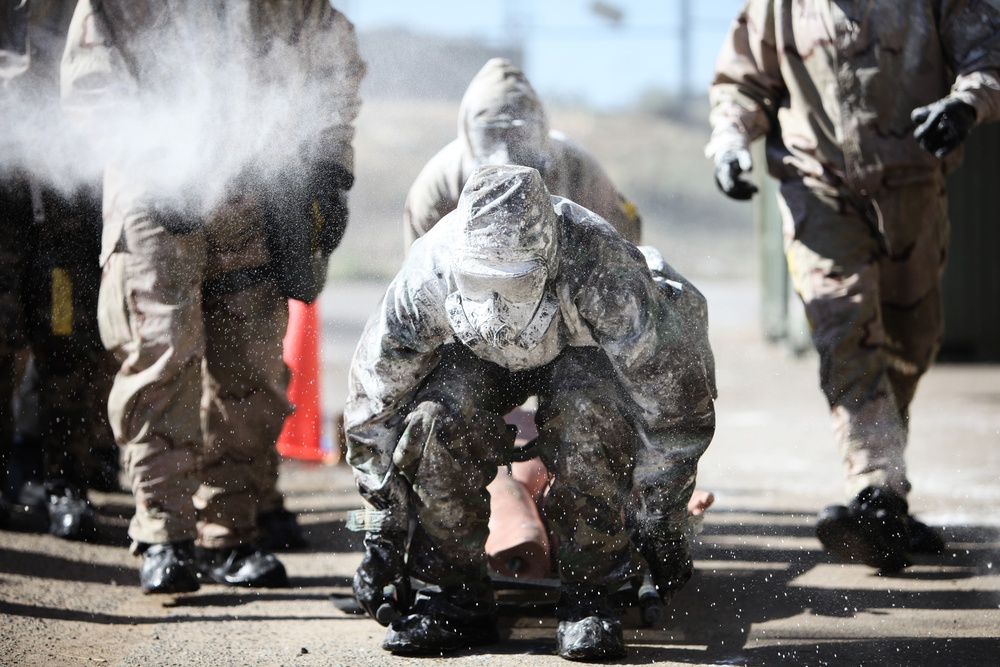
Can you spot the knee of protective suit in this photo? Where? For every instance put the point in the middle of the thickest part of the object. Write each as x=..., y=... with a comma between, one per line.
x=584, y=416
x=449, y=456
x=244, y=330
x=590, y=446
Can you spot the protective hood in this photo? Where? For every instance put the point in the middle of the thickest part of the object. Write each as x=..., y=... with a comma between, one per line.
x=500, y=93
x=503, y=257
x=507, y=221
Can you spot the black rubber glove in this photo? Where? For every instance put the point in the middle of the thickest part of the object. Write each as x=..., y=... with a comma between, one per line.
x=306, y=218
x=943, y=125
x=669, y=560
x=729, y=165
x=381, y=584
x=327, y=203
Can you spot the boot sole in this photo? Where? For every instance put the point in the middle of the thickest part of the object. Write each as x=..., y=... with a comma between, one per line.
x=589, y=656
x=270, y=580
x=448, y=643
x=175, y=587
x=410, y=649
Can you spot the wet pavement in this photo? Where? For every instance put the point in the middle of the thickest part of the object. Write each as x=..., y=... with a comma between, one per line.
x=764, y=593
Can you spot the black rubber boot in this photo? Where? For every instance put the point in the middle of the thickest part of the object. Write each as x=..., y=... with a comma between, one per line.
x=381, y=586
x=873, y=529
x=25, y=487
x=25, y=467
x=244, y=565
x=924, y=539
x=71, y=516
x=588, y=630
x=168, y=568
x=29, y=510
x=280, y=531
x=445, y=620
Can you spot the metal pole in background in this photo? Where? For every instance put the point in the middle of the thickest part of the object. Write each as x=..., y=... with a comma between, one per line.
x=515, y=27
x=685, y=50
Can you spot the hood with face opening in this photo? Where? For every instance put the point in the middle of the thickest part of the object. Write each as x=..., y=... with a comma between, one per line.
x=500, y=99
x=501, y=262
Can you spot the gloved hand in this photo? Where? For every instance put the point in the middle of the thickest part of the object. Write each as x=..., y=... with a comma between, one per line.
x=422, y=424
x=943, y=125
x=669, y=561
x=381, y=584
x=729, y=165
x=306, y=218
x=327, y=203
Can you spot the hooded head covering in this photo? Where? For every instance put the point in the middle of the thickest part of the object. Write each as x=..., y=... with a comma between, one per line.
x=506, y=248
x=501, y=119
x=507, y=219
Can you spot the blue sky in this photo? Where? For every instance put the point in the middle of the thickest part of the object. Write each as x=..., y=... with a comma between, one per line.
x=570, y=49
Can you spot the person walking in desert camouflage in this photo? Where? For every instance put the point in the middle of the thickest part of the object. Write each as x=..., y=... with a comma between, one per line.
x=864, y=105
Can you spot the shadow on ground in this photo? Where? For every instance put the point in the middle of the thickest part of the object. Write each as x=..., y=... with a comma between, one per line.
x=763, y=594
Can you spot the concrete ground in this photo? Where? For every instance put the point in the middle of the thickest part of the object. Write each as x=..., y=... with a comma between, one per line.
x=763, y=594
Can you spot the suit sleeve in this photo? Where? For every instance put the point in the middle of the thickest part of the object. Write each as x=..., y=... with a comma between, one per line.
x=335, y=70
x=970, y=36
x=747, y=87
x=657, y=342
x=94, y=76
x=593, y=189
x=400, y=346
x=434, y=193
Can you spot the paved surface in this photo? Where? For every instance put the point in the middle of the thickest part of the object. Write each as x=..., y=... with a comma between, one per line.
x=763, y=594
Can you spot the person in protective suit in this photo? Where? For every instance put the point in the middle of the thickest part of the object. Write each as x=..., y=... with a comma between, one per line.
x=864, y=107
x=518, y=293
x=501, y=120
x=227, y=131
x=52, y=436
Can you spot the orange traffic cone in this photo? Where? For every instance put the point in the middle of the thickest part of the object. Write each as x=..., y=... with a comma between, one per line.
x=300, y=438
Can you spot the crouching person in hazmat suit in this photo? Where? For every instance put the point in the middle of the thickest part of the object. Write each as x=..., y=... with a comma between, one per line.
x=520, y=293
x=501, y=120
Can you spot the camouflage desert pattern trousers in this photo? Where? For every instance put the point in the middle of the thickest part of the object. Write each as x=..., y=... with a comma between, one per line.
x=199, y=400
x=869, y=273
